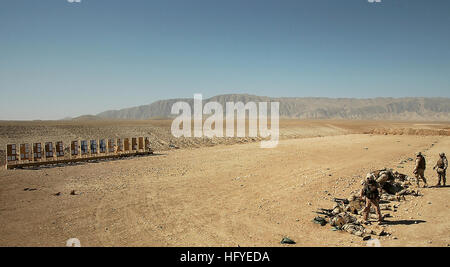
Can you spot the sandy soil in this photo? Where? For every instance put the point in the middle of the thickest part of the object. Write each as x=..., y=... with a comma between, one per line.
x=227, y=195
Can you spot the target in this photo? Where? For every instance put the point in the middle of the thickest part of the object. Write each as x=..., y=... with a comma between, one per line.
x=126, y=145
x=94, y=147
x=74, y=149
x=134, y=145
x=141, y=143
x=11, y=152
x=37, y=151
x=84, y=147
x=102, y=146
x=25, y=152
x=49, y=150
x=59, y=149
x=111, y=145
x=119, y=145
x=23, y=155
x=147, y=144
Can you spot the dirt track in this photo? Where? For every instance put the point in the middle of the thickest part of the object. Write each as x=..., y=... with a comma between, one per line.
x=220, y=196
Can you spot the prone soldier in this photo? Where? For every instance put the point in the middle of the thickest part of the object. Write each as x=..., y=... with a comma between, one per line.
x=384, y=177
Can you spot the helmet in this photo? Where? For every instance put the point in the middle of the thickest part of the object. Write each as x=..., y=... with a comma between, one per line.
x=366, y=180
x=419, y=154
x=370, y=177
x=442, y=154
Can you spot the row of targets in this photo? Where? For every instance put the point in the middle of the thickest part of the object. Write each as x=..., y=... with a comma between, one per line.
x=35, y=152
x=83, y=148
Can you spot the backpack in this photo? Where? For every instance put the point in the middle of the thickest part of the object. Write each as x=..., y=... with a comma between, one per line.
x=422, y=163
x=441, y=163
x=370, y=190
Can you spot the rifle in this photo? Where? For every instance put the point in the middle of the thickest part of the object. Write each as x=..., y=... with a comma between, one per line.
x=341, y=200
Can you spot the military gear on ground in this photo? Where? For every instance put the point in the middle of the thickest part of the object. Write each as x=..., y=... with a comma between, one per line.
x=348, y=220
x=286, y=240
x=400, y=176
x=354, y=229
x=341, y=219
x=320, y=220
x=392, y=188
x=355, y=205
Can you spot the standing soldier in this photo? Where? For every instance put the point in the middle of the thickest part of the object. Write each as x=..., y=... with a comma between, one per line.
x=441, y=166
x=419, y=170
x=371, y=193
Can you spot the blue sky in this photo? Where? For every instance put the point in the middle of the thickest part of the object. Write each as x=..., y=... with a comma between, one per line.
x=61, y=59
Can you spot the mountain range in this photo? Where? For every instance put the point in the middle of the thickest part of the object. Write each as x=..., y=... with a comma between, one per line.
x=414, y=108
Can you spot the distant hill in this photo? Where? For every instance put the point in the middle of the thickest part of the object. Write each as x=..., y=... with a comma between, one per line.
x=87, y=118
x=436, y=109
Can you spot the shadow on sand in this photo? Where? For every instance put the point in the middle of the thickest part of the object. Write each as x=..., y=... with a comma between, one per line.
x=403, y=222
x=443, y=186
x=60, y=165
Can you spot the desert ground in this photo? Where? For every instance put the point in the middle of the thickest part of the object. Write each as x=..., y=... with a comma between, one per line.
x=219, y=192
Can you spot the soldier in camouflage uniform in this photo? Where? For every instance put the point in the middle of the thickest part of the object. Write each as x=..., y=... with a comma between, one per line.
x=441, y=167
x=419, y=170
x=371, y=194
x=384, y=177
x=400, y=176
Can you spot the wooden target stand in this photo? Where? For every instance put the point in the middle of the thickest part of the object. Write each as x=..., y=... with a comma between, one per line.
x=48, y=153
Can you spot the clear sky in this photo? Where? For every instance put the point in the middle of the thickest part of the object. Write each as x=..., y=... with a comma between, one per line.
x=61, y=59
